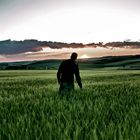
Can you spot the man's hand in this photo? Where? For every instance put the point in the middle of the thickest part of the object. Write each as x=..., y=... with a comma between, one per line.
x=59, y=82
x=80, y=85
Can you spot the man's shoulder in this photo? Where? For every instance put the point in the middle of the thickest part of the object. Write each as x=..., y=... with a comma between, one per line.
x=69, y=62
x=64, y=61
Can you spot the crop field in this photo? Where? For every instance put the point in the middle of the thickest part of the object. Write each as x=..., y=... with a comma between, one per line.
x=108, y=107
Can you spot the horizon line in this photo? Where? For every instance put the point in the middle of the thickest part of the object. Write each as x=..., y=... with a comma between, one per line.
x=104, y=42
x=66, y=58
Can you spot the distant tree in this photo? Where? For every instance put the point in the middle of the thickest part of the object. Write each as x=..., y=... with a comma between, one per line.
x=100, y=44
x=123, y=66
x=127, y=40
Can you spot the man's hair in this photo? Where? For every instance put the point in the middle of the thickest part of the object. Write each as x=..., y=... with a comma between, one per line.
x=74, y=56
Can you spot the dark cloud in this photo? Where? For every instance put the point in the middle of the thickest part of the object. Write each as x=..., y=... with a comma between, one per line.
x=125, y=44
x=9, y=47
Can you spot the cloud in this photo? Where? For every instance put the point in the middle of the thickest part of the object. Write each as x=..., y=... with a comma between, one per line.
x=125, y=45
x=1, y=56
x=8, y=47
x=31, y=47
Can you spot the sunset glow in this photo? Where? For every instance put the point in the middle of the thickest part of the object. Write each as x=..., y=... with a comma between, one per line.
x=83, y=53
x=84, y=56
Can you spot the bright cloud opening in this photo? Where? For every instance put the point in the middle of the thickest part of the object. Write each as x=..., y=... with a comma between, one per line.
x=84, y=56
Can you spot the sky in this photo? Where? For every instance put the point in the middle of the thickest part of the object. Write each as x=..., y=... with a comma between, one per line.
x=70, y=20
x=80, y=21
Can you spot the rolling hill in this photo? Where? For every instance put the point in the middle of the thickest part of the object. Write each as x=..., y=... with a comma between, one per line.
x=117, y=62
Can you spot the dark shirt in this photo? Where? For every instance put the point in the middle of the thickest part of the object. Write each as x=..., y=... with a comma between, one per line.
x=66, y=72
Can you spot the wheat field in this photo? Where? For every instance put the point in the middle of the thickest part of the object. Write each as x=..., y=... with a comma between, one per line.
x=108, y=107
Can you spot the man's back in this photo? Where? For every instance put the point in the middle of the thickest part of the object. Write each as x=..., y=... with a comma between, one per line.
x=67, y=70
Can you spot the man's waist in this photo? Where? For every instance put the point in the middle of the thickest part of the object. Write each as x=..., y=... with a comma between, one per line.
x=67, y=80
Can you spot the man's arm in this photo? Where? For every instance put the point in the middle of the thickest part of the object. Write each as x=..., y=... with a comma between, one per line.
x=59, y=74
x=77, y=75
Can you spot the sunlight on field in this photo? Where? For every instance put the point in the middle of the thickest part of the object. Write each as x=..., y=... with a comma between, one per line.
x=106, y=108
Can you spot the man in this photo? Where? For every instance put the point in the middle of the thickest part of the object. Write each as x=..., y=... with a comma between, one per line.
x=65, y=74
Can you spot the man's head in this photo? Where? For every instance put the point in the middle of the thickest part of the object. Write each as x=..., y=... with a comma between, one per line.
x=74, y=56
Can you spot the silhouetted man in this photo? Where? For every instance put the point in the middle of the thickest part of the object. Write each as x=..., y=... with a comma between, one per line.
x=65, y=74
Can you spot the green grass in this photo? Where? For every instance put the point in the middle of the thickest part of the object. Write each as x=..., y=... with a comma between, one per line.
x=108, y=107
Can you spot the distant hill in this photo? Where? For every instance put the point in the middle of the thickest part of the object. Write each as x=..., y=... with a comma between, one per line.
x=118, y=62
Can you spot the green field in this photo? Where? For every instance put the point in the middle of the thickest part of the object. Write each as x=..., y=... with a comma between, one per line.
x=108, y=107
x=131, y=62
